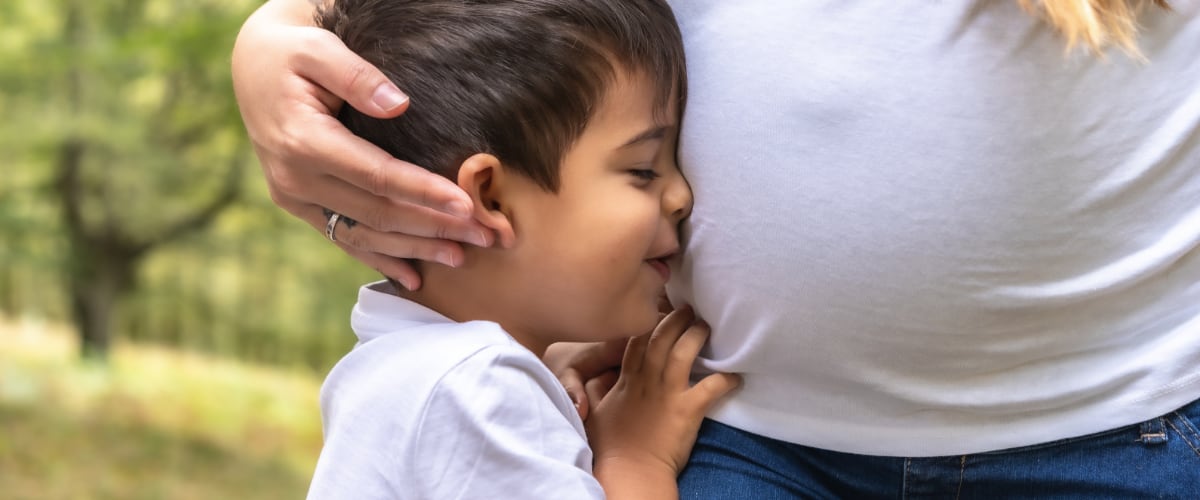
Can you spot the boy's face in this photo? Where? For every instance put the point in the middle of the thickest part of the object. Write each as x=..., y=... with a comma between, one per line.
x=593, y=257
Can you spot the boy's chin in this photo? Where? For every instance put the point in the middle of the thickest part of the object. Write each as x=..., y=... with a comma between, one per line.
x=645, y=323
x=627, y=324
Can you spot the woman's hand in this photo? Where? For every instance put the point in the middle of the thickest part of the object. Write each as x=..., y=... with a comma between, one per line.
x=290, y=79
x=643, y=429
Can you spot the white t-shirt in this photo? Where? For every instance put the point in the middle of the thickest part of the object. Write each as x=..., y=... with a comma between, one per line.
x=424, y=407
x=922, y=228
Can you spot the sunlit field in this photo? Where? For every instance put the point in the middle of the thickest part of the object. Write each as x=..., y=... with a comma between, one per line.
x=153, y=423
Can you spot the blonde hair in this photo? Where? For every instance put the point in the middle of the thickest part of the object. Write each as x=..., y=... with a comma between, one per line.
x=1098, y=24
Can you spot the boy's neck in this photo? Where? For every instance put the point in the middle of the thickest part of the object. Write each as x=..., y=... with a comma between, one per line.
x=471, y=293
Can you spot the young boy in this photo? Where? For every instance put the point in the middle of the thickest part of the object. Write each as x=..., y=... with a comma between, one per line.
x=558, y=118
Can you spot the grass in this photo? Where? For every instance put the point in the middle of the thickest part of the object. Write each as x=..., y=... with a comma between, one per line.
x=151, y=424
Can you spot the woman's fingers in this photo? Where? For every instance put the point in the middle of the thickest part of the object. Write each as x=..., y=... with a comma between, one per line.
x=397, y=245
x=392, y=216
x=326, y=61
x=393, y=227
x=290, y=79
x=339, y=74
x=397, y=269
x=379, y=249
x=322, y=146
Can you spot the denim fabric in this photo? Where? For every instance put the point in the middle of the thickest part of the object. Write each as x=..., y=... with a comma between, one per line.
x=1159, y=458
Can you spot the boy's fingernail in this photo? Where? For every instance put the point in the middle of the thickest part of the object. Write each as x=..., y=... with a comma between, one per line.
x=405, y=283
x=388, y=97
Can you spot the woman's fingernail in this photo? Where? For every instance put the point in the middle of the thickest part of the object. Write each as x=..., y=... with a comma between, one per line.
x=388, y=97
x=477, y=238
x=446, y=257
x=459, y=208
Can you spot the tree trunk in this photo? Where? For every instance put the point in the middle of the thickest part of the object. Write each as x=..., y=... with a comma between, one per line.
x=105, y=245
x=100, y=265
x=93, y=302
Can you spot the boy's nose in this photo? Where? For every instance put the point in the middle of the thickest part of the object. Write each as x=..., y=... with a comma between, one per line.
x=677, y=199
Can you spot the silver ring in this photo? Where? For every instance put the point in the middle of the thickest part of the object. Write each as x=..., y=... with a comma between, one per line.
x=331, y=226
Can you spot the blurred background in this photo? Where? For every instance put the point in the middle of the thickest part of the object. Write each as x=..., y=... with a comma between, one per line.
x=163, y=327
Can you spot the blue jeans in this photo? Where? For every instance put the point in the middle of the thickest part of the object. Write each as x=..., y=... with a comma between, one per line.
x=1159, y=458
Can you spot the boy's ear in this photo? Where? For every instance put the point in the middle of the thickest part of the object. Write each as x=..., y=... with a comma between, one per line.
x=483, y=178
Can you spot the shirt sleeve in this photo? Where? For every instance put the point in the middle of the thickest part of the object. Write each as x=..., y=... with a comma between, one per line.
x=492, y=429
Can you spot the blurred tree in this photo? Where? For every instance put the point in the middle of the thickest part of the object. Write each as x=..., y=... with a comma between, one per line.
x=144, y=135
x=121, y=140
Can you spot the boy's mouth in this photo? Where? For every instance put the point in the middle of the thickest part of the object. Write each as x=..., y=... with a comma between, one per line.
x=662, y=265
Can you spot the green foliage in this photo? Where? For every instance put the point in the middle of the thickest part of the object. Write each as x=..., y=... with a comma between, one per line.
x=153, y=423
x=258, y=284
x=145, y=86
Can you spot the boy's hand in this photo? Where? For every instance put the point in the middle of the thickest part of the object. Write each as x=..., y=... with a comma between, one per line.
x=591, y=364
x=580, y=364
x=290, y=79
x=643, y=430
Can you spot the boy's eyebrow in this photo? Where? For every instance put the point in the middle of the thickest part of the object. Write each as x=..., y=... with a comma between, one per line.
x=648, y=135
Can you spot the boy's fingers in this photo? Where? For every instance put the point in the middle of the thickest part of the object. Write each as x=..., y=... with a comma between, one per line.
x=573, y=383
x=662, y=341
x=684, y=353
x=326, y=61
x=600, y=357
x=596, y=388
x=635, y=355
x=713, y=387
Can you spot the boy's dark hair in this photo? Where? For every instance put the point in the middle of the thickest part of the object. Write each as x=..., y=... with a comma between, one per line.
x=518, y=79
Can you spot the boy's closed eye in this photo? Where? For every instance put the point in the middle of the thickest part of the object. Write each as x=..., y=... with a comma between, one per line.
x=644, y=175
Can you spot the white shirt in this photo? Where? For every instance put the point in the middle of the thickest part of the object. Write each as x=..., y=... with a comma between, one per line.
x=921, y=228
x=424, y=407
